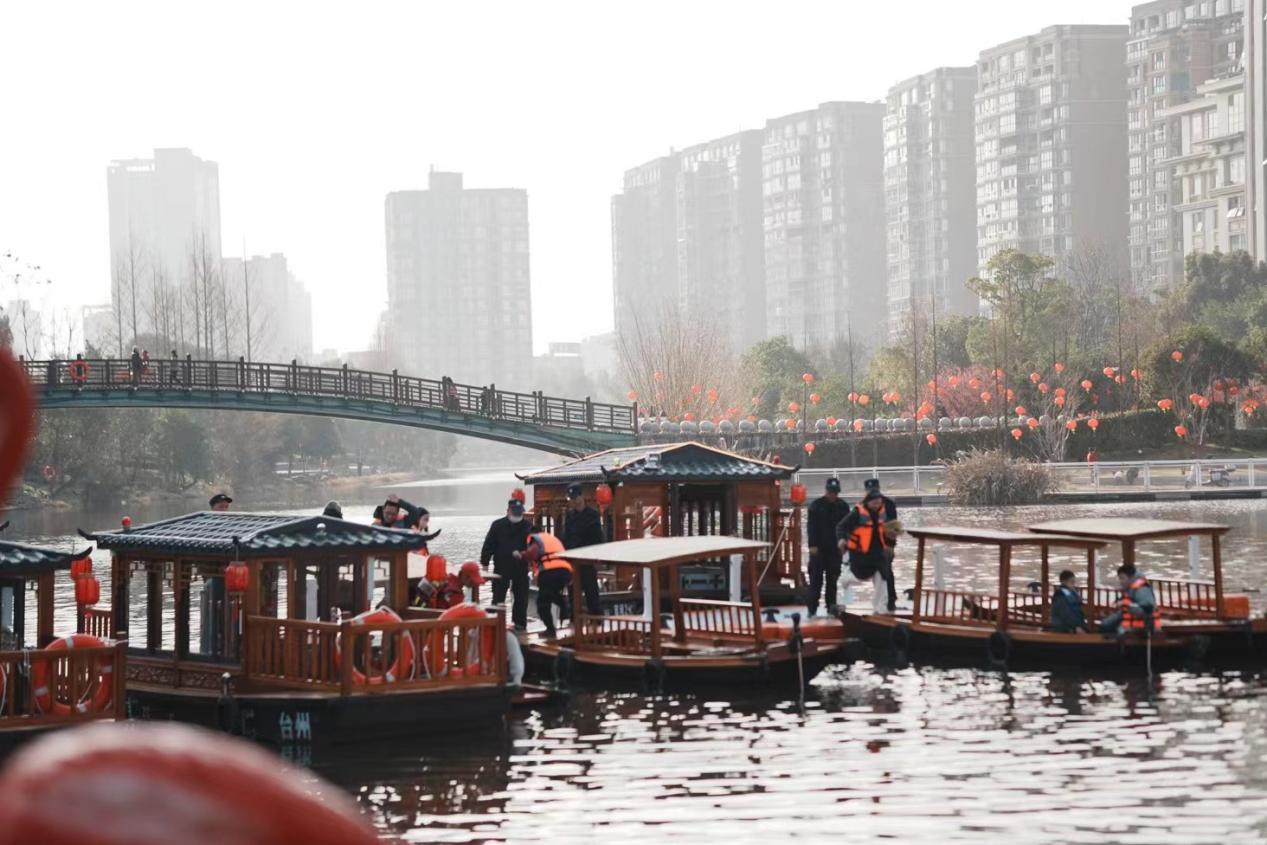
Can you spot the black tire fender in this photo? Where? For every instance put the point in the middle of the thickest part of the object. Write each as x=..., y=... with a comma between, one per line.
x=998, y=649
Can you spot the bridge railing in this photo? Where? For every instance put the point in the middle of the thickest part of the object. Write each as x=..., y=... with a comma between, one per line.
x=187, y=374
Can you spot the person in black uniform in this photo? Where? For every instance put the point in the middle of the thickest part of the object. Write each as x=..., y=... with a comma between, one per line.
x=824, y=556
x=872, y=485
x=582, y=526
x=503, y=545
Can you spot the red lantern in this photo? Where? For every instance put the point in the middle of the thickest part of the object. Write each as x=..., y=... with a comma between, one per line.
x=857, y=425
x=1020, y=410
x=954, y=381
x=603, y=495
x=831, y=421
x=815, y=398
x=864, y=400
x=931, y=438
x=126, y=522
x=808, y=378
x=1016, y=434
x=974, y=383
x=689, y=417
x=986, y=396
x=519, y=495
x=1042, y=387
x=1031, y=422
x=1035, y=378
x=1058, y=367
x=236, y=577
x=794, y=407
x=853, y=397
x=87, y=591
x=1072, y=425
x=1093, y=423
x=80, y=567
x=1176, y=356
x=1086, y=384
x=1181, y=430
x=632, y=396
x=797, y=492
x=809, y=448
x=1119, y=378
x=791, y=425
x=1108, y=372
x=712, y=394
x=1059, y=401
x=897, y=397
x=1165, y=404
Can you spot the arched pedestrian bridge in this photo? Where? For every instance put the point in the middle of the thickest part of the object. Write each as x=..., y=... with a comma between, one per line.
x=552, y=424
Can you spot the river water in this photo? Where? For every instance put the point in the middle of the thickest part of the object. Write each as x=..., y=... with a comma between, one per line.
x=875, y=752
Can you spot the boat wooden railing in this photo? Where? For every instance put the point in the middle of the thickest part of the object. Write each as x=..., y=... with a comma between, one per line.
x=628, y=634
x=958, y=607
x=98, y=623
x=1177, y=599
x=354, y=658
x=73, y=675
x=718, y=619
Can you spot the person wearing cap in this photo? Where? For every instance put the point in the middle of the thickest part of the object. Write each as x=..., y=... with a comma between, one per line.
x=890, y=518
x=503, y=543
x=451, y=591
x=220, y=502
x=823, y=515
x=582, y=526
x=862, y=535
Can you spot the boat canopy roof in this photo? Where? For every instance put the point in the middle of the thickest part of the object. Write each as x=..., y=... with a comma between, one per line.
x=662, y=551
x=22, y=560
x=676, y=462
x=1127, y=528
x=251, y=535
x=993, y=537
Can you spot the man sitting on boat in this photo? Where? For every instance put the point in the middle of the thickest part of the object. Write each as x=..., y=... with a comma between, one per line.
x=862, y=535
x=1066, y=606
x=1138, y=610
x=450, y=592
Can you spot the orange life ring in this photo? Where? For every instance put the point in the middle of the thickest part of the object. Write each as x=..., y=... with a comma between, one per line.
x=47, y=702
x=474, y=652
x=402, y=668
x=79, y=370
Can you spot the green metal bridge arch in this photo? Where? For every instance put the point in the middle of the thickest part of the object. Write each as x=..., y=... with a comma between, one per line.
x=552, y=424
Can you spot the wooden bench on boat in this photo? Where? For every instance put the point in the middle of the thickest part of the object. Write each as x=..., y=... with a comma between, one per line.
x=696, y=641
x=41, y=687
x=262, y=624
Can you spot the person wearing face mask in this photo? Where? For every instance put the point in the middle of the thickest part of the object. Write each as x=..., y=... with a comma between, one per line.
x=503, y=544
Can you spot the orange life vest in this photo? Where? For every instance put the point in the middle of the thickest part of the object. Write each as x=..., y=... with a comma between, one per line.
x=860, y=538
x=1129, y=620
x=548, y=548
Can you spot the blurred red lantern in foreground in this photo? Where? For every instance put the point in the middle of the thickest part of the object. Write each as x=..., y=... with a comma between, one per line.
x=797, y=493
x=237, y=577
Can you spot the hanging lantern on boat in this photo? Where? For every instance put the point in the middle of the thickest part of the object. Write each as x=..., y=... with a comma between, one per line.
x=603, y=495
x=437, y=567
x=1011, y=394
x=87, y=591
x=1060, y=391
x=797, y=493
x=80, y=567
x=1093, y=423
x=809, y=448
x=1176, y=356
x=1016, y=434
x=1135, y=374
x=857, y=426
x=236, y=577
x=931, y=438
x=688, y=416
x=808, y=378
x=791, y=425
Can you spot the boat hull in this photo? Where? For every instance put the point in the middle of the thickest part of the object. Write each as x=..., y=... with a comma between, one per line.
x=284, y=718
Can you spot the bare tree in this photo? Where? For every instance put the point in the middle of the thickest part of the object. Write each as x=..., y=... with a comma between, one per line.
x=680, y=365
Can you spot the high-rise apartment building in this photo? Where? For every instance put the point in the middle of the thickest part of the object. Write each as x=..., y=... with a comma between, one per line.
x=930, y=195
x=1208, y=170
x=686, y=232
x=1175, y=47
x=163, y=211
x=458, y=289
x=823, y=195
x=269, y=309
x=1051, y=144
x=1255, y=53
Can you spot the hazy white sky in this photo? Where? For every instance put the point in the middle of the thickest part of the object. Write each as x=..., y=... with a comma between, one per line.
x=314, y=111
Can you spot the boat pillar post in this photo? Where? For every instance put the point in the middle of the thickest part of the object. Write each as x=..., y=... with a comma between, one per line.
x=736, y=578
x=939, y=578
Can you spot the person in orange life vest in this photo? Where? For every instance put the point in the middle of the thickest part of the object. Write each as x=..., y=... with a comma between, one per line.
x=451, y=591
x=1138, y=608
x=861, y=535
x=554, y=576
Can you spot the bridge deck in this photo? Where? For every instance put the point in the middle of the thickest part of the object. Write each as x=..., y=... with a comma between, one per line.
x=566, y=426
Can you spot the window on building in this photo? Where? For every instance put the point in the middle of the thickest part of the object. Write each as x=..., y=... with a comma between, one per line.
x=1197, y=221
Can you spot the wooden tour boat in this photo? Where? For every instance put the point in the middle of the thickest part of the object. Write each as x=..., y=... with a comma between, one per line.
x=1009, y=625
x=693, y=641
x=262, y=625
x=47, y=682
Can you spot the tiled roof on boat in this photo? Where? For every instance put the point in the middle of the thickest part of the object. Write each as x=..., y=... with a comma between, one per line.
x=21, y=559
x=660, y=462
x=256, y=535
